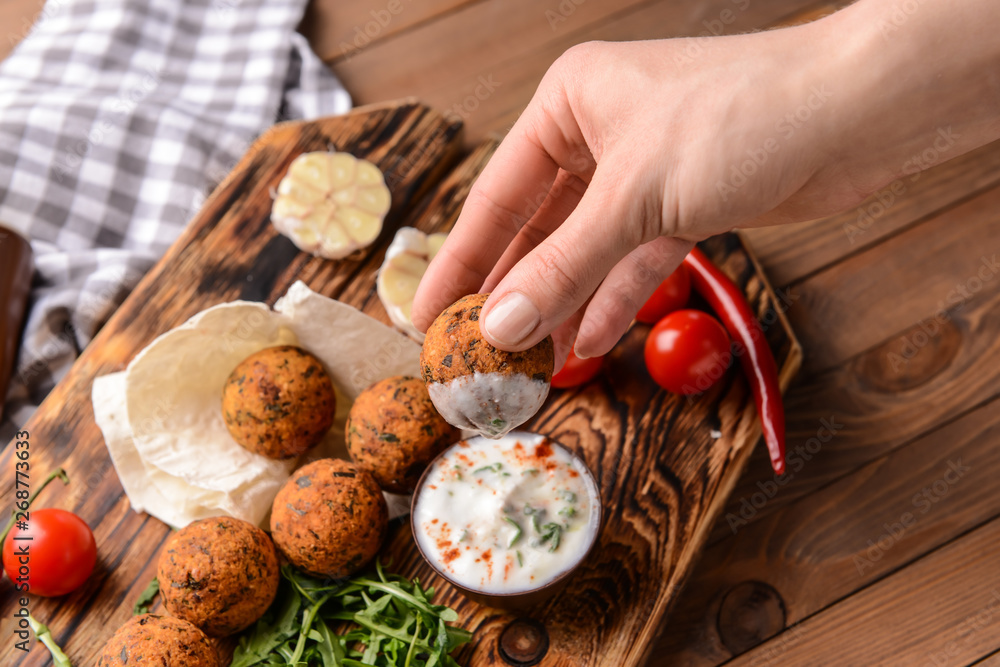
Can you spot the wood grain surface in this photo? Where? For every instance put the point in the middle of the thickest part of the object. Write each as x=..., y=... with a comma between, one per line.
x=840, y=539
x=663, y=475
x=896, y=416
x=883, y=403
x=942, y=610
x=960, y=243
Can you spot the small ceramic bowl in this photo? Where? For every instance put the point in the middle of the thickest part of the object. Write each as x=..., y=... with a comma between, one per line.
x=521, y=599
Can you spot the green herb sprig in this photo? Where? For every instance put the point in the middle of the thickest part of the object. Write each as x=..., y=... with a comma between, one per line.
x=397, y=625
x=58, y=473
x=146, y=598
x=551, y=533
x=59, y=659
x=535, y=514
x=517, y=531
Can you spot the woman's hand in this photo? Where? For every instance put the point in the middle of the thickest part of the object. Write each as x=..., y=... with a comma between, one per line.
x=628, y=153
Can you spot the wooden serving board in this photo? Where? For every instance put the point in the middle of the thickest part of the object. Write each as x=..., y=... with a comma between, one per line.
x=663, y=475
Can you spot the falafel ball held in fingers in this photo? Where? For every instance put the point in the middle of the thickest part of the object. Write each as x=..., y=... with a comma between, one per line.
x=475, y=385
x=329, y=518
x=394, y=431
x=219, y=573
x=150, y=640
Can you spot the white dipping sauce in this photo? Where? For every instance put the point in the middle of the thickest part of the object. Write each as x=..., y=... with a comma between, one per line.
x=506, y=515
x=491, y=403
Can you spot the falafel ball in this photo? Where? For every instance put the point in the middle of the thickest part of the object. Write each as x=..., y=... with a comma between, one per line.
x=150, y=640
x=475, y=385
x=394, y=431
x=219, y=573
x=329, y=518
x=279, y=402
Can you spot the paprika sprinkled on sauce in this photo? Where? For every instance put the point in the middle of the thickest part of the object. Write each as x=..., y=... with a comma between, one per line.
x=520, y=506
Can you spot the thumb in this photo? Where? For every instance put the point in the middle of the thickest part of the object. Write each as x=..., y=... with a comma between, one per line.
x=555, y=279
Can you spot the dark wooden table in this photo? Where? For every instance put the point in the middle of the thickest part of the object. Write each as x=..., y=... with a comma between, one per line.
x=882, y=545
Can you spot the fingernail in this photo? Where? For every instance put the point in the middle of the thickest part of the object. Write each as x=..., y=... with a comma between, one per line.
x=582, y=333
x=510, y=321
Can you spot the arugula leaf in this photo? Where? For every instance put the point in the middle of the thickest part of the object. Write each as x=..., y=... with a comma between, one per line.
x=396, y=624
x=307, y=621
x=146, y=597
x=274, y=628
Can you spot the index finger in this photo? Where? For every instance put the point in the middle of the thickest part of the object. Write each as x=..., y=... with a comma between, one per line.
x=506, y=195
x=501, y=201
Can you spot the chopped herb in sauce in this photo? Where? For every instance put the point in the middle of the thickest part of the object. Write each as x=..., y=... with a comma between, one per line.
x=517, y=531
x=551, y=533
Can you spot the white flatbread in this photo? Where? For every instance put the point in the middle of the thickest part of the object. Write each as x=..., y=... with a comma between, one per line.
x=162, y=417
x=173, y=392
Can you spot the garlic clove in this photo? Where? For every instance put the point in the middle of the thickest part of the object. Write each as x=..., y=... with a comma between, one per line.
x=406, y=261
x=434, y=243
x=331, y=204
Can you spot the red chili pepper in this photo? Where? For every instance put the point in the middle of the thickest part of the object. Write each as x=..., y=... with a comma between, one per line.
x=730, y=305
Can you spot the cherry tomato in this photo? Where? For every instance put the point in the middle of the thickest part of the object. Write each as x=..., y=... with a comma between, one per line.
x=61, y=552
x=687, y=352
x=577, y=371
x=672, y=294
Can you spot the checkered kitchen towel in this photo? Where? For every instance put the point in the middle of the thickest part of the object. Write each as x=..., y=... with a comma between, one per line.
x=117, y=117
